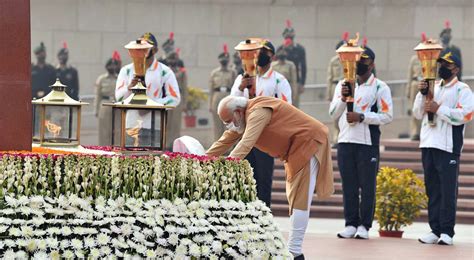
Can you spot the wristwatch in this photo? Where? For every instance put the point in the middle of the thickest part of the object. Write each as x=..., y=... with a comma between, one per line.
x=361, y=118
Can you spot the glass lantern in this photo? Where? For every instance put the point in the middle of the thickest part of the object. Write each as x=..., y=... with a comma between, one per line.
x=57, y=118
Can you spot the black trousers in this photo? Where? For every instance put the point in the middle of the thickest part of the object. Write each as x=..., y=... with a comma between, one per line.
x=262, y=165
x=358, y=165
x=441, y=170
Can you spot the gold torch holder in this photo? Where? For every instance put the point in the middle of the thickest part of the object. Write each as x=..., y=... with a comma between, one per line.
x=248, y=51
x=349, y=54
x=428, y=52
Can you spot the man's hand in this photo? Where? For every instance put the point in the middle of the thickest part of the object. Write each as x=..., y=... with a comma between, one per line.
x=133, y=83
x=246, y=81
x=423, y=87
x=344, y=92
x=431, y=106
x=353, y=117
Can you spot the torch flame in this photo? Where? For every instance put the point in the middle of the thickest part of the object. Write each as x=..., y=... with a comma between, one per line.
x=135, y=132
x=52, y=128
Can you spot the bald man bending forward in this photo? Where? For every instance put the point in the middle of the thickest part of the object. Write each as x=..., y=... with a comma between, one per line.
x=283, y=131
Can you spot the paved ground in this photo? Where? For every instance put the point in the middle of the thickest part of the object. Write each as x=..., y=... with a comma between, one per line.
x=321, y=243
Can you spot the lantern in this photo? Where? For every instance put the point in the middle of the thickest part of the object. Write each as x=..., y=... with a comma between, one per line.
x=57, y=118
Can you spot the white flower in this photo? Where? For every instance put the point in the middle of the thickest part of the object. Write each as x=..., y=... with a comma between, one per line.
x=205, y=250
x=139, y=236
x=65, y=244
x=66, y=231
x=173, y=239
x=53, y=231
x=26, y=231
x=15, y=232
x=55, y=255
x=31, y=246
x=76, y=244
x=150, y=253
x=52, y=242
x=105, y=250
x=11, y=202
x=195, y=250
x=9, y=254
x=41, y=255
x=103, y=239
x=42, y=244
x=216, y=247
x=68, y=254
x=89, y=242
x=9, y=243
x=182, y=250
x=95, y=253
x=21, y=255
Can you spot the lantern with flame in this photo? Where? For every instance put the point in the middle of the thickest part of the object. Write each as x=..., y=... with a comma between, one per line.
x=349, y=55
x=248, y=51
x=138, y=122
x=57, y=118
x=428, y=52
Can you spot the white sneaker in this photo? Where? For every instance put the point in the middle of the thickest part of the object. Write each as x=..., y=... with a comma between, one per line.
x=429, y=238
x=362, y=233
x=445, y=240
x=348, y=232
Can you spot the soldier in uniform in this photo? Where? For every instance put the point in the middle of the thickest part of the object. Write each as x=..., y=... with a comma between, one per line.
x=445, y=37
x=237, y=64
x=414, y=77
x=67, y=74
x=168, y=47
x=296, y=54
x=104, y=92
x=334, y=76
x=175, y=115
x=288, y=70
x=220, y=84
x=43, y=74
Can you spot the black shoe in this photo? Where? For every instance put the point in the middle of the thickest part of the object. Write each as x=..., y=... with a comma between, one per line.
x=415, y=138
x=300, y=257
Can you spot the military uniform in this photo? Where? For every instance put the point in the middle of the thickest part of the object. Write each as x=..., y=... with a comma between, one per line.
x=414, y=77
x=288, y=70
x=297, y=54
x=43, y=75
x=41, y=78
x=175, y=116
x=335, y=74
x=104, y=93
x=220, y=84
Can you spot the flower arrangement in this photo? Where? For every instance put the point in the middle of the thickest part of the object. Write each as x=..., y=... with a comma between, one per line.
x=69, y=227
x=400, y=196
x=148, y=177
x=68, y=206
x=194, y=99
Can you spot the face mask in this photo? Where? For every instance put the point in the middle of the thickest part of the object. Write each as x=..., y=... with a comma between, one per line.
x=224, y=62
x=232, y=127
x=444, y=73
x=445, y=40
x=263, y=59
x=362, y=69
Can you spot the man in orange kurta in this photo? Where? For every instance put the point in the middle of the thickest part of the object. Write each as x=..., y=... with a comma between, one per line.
x=283, y=131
